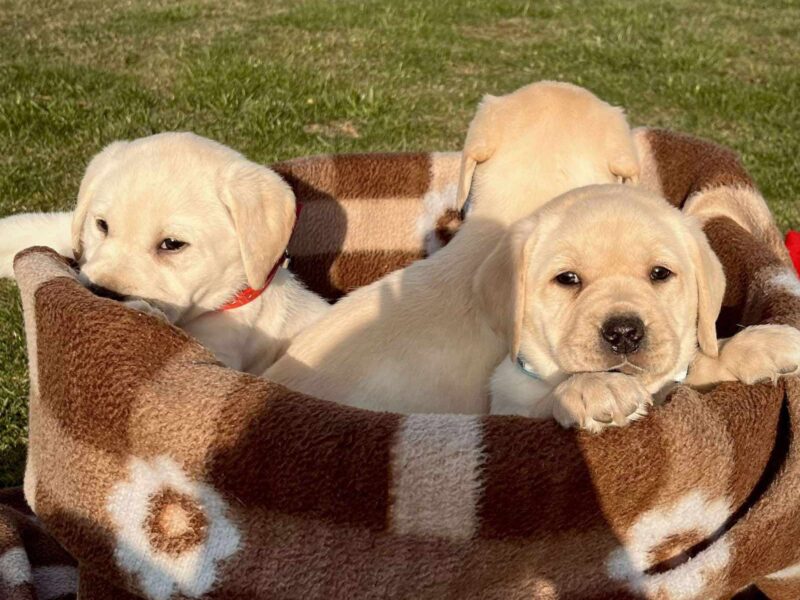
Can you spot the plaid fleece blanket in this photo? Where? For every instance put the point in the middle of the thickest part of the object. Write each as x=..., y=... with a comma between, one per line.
x=164, y=474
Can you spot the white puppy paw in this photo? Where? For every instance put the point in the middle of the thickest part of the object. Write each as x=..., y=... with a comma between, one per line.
x=146, y=308
x=762, y=353
x=595, y=401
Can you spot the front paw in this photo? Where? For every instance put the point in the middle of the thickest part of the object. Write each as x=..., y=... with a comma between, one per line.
x=594, y=401
x=146, y=308
x=762, y=353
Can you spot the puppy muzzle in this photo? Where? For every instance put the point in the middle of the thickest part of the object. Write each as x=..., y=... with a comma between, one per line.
x=103, y=292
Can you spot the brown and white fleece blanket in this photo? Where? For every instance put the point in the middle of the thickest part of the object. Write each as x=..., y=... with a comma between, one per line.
x=166, y=475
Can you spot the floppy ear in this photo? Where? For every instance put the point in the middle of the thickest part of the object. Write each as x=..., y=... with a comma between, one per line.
x=499, y=283
x=623, y=159
x=624, y=166
x=98, y=166
x=710, y=289
x=479, y=145
x=262, y=206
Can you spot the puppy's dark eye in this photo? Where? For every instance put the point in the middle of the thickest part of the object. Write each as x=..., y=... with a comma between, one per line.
x=171, y=245
x=102, y=225
x=568, y=278
x=660, y=274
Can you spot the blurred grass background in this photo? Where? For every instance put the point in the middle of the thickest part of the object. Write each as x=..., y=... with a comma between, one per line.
x=282, y=79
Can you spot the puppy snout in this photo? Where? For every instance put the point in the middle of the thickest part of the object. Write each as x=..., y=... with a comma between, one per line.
x=623, y=334
x=99, y=290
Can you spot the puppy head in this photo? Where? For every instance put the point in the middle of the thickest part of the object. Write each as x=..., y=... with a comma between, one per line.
x=604, y=278
x=180, y=221
x=549, y=137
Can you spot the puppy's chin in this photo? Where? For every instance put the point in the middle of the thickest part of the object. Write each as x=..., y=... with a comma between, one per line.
x=652, y=371
x=628, y=368
x=172, y=312
x=652, y=379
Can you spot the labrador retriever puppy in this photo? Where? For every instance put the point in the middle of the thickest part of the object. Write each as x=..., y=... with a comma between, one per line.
x=188, y=226
x=533, y=144
x=604, y=295
x=418, y=340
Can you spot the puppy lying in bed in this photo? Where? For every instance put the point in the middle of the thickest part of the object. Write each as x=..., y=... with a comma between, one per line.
x=188, y=226
x=422, y=340
x=604, y=296
x=416, y=340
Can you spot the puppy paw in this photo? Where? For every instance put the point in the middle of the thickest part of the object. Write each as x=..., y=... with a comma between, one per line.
x=762, y=353
x=594, y=401
x=146, y=308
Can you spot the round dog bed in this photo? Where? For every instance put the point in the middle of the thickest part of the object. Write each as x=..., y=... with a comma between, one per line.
x=167, y=475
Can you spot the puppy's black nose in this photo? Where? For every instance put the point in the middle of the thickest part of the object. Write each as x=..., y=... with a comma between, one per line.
x=99, y=290
x=623, y=333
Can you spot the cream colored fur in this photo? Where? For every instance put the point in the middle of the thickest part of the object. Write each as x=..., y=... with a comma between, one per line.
x=18, y=232
x=538, y=142
x=612, y=237
x=759, y=353
x=236, y=218
x=417, y=340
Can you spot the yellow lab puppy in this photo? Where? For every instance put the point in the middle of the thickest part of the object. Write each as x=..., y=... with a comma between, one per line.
x=418, y=340
x=529, y=146
x=604, y=296
x=192, y=228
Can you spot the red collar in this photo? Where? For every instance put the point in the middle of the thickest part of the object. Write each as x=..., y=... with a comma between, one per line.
x=248, y=294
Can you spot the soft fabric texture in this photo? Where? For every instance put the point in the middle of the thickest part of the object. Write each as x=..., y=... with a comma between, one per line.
x=167, y=475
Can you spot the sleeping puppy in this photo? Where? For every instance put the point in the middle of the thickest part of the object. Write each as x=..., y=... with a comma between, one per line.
x=188, y=226
x=417, y=340
x=604, y=296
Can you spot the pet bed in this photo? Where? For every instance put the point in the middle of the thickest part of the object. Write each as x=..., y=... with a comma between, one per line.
x=166, y=475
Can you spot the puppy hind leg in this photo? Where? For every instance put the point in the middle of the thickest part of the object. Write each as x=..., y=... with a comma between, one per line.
x=18, y=232
x=756, y=354
x=762, y=353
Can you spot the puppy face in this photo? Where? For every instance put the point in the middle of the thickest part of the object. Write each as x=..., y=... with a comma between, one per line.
x=180, y=221
x=606, y=278
x=548, y=137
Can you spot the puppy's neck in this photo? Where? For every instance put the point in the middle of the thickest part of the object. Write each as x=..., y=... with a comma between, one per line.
x=473, y=243
x=252, y=336
x=507, y=195
x=538, y=363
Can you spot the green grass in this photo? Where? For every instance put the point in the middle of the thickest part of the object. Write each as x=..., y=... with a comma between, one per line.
x=277, y=80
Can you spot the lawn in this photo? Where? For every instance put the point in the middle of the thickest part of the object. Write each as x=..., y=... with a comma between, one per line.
x=277, y=80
